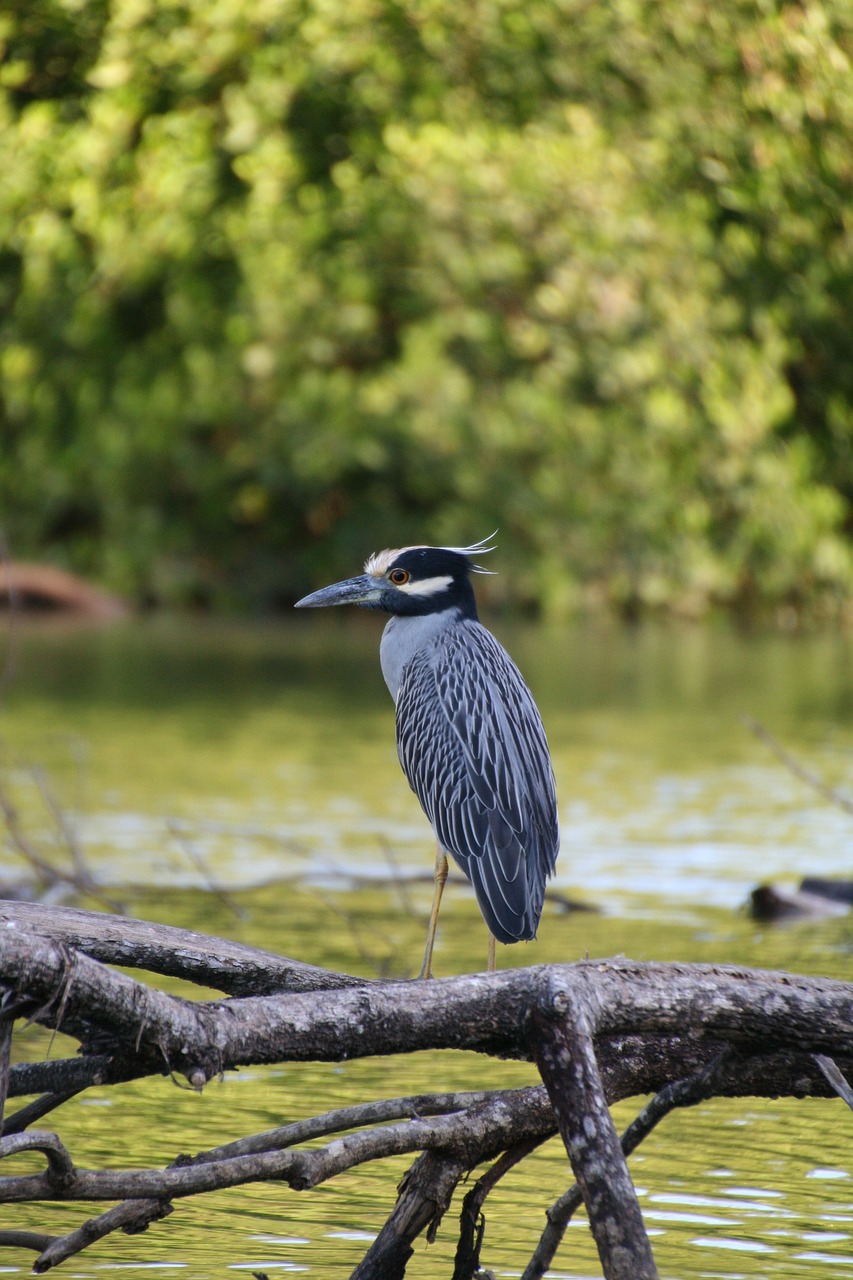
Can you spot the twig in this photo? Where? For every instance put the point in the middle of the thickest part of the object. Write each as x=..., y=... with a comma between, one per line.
x=23, y=844
x=60, y=1167
x=131, y=1217
x=344, y=1118
x=81, y=882
x=35, y=1110
x=380, y=966
x=64, y=826
x=73, y=1074
x=201, y=865
x=471, y=1222
x=5, y=1054
x=835, y=1078
x=800, y=771
x=25, y=1240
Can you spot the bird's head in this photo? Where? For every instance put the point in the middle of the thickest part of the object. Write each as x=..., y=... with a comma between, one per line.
x=409, y=581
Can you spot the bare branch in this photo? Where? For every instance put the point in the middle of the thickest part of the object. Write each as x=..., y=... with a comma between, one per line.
x=63, y=825
x=681, y=1093
x=135, y=1215
x=25, y=1240
x=483, y=1012
x=799, y=770
x=422, y=1200
x=60, y=1167
x=195, y=857
x=25, y=1116
x=228, y=966
x=835, y=1078
x=567, y=1063
x=471, y=1222
x=70, y=1075
x=487, y=1127
x=131, y=1217
x=379, y=1112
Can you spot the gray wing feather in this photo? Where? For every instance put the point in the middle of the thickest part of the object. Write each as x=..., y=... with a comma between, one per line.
x=472, y=745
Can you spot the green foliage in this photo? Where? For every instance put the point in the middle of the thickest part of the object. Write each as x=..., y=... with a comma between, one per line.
x=285, y=280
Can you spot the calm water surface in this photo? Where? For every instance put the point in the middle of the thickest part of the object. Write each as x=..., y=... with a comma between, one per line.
x=243, y=781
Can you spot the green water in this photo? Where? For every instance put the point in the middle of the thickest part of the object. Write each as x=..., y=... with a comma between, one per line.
x=243, y=781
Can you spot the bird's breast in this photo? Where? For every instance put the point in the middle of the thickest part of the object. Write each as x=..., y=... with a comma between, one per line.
x=403, y=637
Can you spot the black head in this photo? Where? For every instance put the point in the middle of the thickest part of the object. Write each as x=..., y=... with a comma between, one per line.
x=410, y=581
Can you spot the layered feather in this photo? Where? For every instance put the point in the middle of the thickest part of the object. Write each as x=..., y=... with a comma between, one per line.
x=472, y=745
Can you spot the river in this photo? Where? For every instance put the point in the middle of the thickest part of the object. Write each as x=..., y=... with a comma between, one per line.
x=242, y=779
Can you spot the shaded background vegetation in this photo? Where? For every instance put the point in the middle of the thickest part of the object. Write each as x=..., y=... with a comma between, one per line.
x=285, y=280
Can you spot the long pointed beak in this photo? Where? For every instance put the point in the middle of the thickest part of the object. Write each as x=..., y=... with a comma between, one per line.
x=364, y=589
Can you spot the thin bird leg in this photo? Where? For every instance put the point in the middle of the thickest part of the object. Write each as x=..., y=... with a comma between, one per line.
x=441, y=869
x=491, y=964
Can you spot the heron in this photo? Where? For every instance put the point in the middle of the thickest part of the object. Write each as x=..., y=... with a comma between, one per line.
x=469, y=735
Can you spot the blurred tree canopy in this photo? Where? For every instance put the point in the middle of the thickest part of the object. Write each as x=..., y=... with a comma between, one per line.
x=283, y=281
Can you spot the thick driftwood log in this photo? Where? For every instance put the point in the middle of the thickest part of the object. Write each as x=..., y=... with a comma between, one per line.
x=598, y=1031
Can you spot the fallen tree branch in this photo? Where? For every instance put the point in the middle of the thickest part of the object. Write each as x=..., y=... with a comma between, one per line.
x=177, y=953
x=681, y=1093
x=566, y=1059
x=598, y=1032
x=485, y=1013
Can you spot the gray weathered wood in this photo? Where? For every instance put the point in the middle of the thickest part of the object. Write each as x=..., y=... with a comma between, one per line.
x=566, y=1060
x=599, y=1031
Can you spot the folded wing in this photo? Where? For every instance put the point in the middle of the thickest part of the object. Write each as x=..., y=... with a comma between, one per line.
x=472, y=745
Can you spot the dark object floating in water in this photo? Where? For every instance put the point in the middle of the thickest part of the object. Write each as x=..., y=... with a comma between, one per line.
x=814, y=898
x=835, y=890
x=42, y=588
x=565, y=904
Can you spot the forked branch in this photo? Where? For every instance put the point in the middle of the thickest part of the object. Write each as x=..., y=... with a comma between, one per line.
x=597, y=1031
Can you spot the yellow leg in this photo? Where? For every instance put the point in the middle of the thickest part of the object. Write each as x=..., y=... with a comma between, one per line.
x=440, y=877
x=491, y=966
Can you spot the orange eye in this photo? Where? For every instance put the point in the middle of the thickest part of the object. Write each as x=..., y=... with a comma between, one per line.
x=399, y=576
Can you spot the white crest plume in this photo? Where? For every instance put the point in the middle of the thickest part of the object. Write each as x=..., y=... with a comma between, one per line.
x=380, y=561
x=480, y=548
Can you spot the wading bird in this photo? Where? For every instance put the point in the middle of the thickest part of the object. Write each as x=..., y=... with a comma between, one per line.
x=469, y=735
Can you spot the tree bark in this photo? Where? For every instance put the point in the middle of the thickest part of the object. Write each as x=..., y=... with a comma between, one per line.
x=566, y=1060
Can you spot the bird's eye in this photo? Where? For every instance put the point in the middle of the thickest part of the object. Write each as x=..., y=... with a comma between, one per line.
x=399, y=576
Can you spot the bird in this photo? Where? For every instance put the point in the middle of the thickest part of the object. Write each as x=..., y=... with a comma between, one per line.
x=470, y=738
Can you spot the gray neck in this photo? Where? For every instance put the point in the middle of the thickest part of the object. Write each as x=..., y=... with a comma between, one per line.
x=403, y=637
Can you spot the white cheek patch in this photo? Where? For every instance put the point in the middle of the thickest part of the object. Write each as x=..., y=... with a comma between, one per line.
x=427, y=586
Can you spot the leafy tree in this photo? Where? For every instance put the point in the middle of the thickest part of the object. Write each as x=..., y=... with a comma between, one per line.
x=283, y=280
